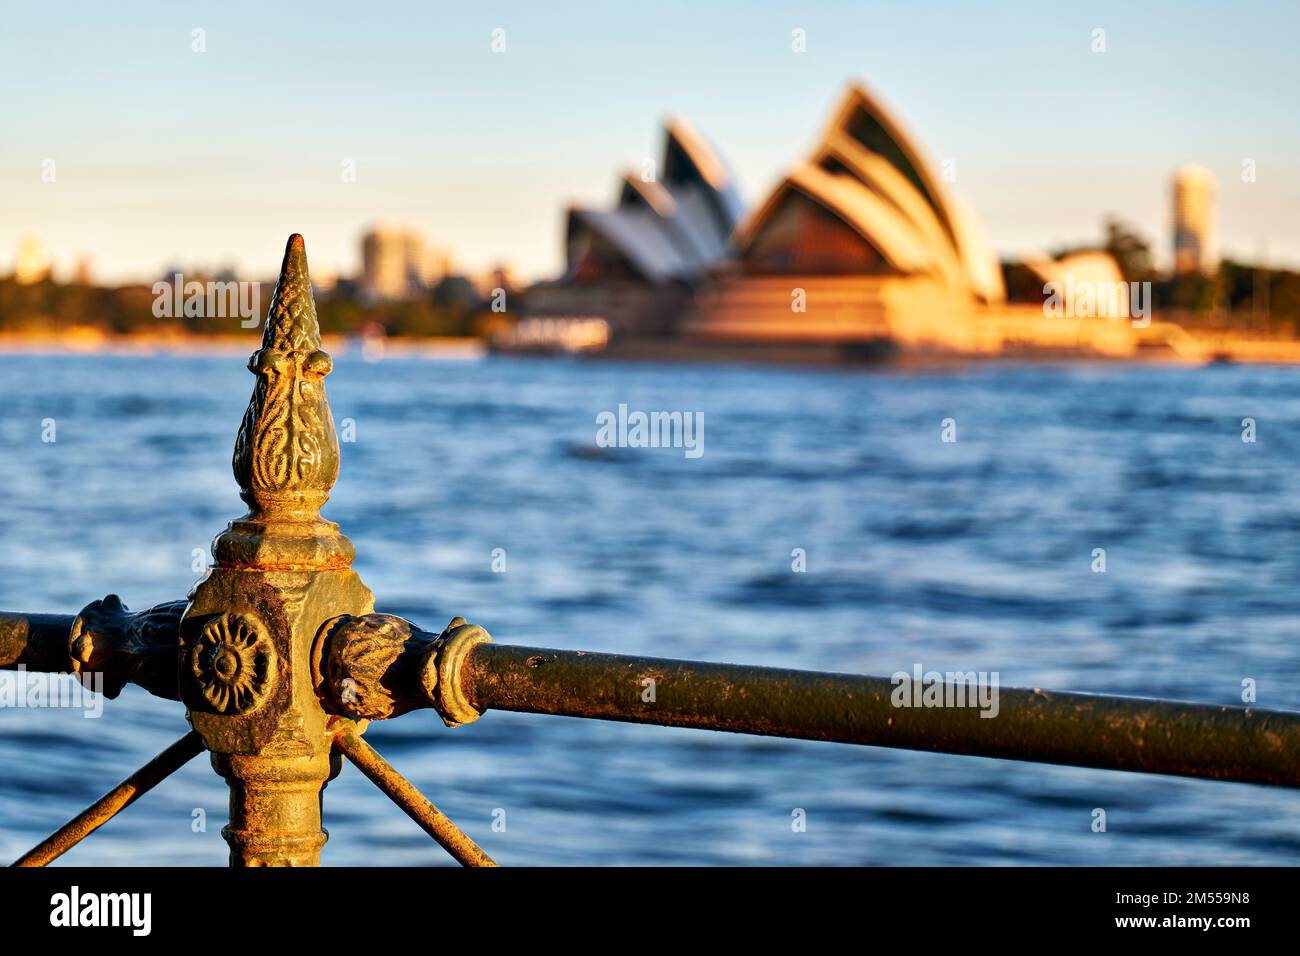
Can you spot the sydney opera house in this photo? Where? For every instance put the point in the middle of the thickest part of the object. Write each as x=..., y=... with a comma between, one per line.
x=640, y=264
x=861, y=247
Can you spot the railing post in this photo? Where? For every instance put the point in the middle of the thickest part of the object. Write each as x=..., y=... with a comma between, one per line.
x=280, y=572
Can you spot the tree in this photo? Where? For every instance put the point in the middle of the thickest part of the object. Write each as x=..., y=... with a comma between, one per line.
x=1130, y=249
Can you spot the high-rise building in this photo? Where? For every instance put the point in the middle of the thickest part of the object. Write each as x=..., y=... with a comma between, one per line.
x=383, y=263
x=397, y=262
x=1193, y=220
x=83, y=272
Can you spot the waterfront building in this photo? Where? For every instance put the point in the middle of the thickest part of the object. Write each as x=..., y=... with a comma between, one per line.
x=862, y=249
x=397, y=262
x=1193, y=220
x=859, y=238
x=32, y=264
x=638, y=264
x=1087, y=284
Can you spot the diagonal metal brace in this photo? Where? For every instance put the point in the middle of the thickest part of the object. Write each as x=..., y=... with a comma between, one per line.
x=404, y=793
x=110, y=804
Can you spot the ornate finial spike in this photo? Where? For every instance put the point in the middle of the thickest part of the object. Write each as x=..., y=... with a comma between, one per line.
x=287, y=454
x=291, y=323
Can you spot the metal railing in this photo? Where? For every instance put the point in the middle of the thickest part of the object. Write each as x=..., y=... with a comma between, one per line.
x=281, y=662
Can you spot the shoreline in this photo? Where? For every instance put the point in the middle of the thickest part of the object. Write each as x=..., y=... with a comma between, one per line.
x=84, y=342
x=1176, y=348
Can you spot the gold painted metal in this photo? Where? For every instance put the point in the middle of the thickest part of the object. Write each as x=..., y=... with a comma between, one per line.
x=416, y=806
x=105, y=639
x=460, y=639
x=137, y=648
x=379, y=666
x=119, y=798
x=375, y=666
x=280, y=572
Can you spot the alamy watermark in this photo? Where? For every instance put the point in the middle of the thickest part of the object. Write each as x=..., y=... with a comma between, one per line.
x=923, y=688
x=1089, y=299
x=74, y=908
x=651, y=430
x=208, y=300
x=20, y=689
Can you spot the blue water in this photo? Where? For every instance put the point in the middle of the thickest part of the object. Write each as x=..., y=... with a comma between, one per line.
x=973, y=555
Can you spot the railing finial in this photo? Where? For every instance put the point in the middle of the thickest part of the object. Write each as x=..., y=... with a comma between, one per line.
x=281, y=572
x=287, y=454
x=291, y=323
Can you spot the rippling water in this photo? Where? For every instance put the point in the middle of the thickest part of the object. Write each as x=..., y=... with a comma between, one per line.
x=968, y=556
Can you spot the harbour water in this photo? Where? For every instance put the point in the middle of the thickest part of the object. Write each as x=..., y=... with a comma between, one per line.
x=479, y=488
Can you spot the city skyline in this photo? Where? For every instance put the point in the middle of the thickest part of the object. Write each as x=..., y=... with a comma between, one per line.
x=140, y=181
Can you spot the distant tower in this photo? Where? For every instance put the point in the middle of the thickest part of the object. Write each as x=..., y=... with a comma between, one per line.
x=1193, y=202
x=383, y=257
x=33, y=264
x=397, y=262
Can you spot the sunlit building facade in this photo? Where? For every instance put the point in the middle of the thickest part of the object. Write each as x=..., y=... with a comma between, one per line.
x=859, y=237
x=1087, y=284
x=398, y=263
x=1193, y=220
x=32, y=263
x=862, y=249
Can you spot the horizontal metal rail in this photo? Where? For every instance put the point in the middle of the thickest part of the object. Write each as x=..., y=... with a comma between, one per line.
x=1114, y=733
x=38, y=642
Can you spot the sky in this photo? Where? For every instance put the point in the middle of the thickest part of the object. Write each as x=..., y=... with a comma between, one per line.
x=164, y=156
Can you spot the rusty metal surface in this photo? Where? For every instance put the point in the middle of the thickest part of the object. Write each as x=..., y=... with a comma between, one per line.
x=378, y=666
x=374, y=666
x=38, y=642
x=106, y=638
x=1121, y=733
x=416, y=806
x=239, y=653
x=139, y=648
x=119, y=798
x=281, y=572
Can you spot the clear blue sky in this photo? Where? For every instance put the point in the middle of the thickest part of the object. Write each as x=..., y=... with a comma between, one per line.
x=163, y=155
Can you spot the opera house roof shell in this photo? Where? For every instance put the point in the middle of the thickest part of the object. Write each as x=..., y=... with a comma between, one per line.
x=866, y=201
x=675, y=225
x=872, y=178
